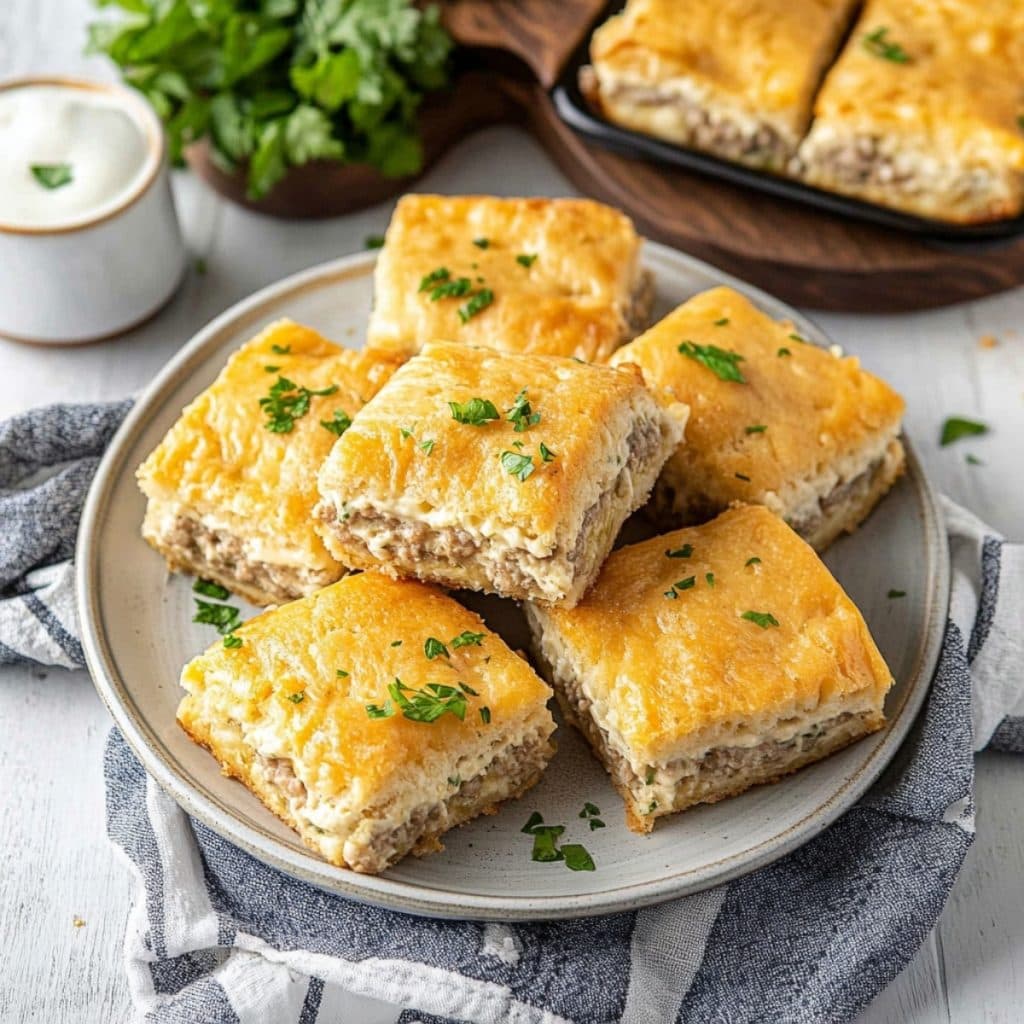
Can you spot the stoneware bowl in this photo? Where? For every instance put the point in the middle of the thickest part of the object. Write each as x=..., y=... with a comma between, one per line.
x=101, y=273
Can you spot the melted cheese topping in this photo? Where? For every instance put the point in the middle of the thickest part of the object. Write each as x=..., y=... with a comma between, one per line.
x=587, y=413
x=221, y=463
x=817, y=408
x=570, y=301
x=764, y=56
x=347, y=760
x=962, y=86
x=672, y=678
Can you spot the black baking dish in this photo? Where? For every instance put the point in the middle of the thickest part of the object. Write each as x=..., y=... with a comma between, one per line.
x=576, y=112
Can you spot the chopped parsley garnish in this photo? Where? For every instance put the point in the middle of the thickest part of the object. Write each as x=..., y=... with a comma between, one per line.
x=341, y=674
x=670, y=594
x=521, y=413
x=231, y=641
x=762, y=619
x=546, y=849
x=686, y=584
x=897, y=593
x=427, y=446
x=783, y=352
x=426, y=705
x=797, y=337
x=385, y=710
x=485, y=715
x=52, y=176
x=434, y=277
x=468, y=689
x=595, y=823
x=589, y=810
x=339, y=423
x=223, y=617
x=281, y=350
x=475, y=413
x=753, y=560
x=526, y=259
x=955, y=428
x=396, y=643
x=1020, y=122
x=287, y=402
x=405, y=432
x=742, y=476
x=546, y=454
x=973, y=460
x=723, y=364
x=649, y=778
x=684, y=552
x=451, y=289
x=481, y=243
x=297, y=698
x=467, y=639
x=433, y=648
x=479, y=301
x=209, y=589
x=373, y=242
x=877, y=44
x=757, y=428
x=710, y=578
x=721, y=323
x=271, y=368
x=520, y=466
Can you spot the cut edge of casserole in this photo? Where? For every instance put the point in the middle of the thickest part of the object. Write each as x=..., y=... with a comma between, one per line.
x=704, y=767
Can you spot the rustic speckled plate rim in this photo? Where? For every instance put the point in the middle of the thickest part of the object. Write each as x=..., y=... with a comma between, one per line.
x=402, y=896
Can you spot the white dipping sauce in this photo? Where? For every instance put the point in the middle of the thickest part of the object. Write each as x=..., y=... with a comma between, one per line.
x=89, y=130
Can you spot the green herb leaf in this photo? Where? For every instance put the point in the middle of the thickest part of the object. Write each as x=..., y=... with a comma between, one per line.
x=373, y=242
x=339, y=423
x=210, y=589
x=877, y=44
x=686, y=584
x=341, y=674
x=396, y=643
x=520, y=466
x=385, y=710
x=467, y=639
x=231, y=641
x=485, y=715
x=893, y=594
x=521, y=414
x=589, y=809
x=435, y=276
x=270, y=368
x=758, y=428
x=468, y=689
x=710, y=578
x=281, y=350
x=526, y=259
x=545, y=843
x=479, y=301
x=783, y=352
x=297, y=698
x=455, y=289
x=649, y=778
x=577, y=858
x=596, y=823
x=955, y=428
x=724, y=365
x=670, y=594
x=474, y=413
x=742, y=476
x=430, y=703
x=684, y=552
x=532, y=822
x=797, y=337
x=52, y=176
x=973, y=460
x=224, y=618
x=287, y=402
x=762, y=619
x=753, y=560
x=546, y=454
x=481, y=243
x=433, y=648
x=427, y=446
x=722, y=322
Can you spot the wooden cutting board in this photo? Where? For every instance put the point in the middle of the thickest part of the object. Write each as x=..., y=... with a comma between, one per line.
x=513, y=51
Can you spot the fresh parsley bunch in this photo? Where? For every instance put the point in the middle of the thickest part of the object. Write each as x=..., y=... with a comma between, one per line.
x=276, y=83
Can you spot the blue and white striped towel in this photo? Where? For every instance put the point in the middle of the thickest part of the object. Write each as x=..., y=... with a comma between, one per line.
x=216, y=936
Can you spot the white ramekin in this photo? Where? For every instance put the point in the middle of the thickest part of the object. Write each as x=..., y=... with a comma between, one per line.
x=96, y=275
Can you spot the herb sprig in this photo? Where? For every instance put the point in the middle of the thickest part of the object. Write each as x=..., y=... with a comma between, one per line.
x=722, y=363
x=546, y=849
x=52, y=176
x=287, y=402
x=878, y=44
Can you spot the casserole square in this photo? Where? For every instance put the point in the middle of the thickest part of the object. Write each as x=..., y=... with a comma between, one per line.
x=230, y=499
x=300, y=714
x=735, y=78
x=758, y=665
x=563, y=276
x=525, y=502
x=923, y=110
x=807, y=433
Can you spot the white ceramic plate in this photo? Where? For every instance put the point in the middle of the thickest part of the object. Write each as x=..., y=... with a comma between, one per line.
x=137, y=634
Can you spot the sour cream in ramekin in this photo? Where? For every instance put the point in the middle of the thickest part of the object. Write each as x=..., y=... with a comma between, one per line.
x=89, y=241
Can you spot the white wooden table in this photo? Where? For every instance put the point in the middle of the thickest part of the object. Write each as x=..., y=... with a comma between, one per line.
x=55, y=862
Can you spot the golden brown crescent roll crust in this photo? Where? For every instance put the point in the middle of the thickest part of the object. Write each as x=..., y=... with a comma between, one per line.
x=522, y=513
x=922, y=111
x=735, y=77
x=231, y=500
x=564, y=276
x=710, y=659
x=287, y=714
x=808, y=433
